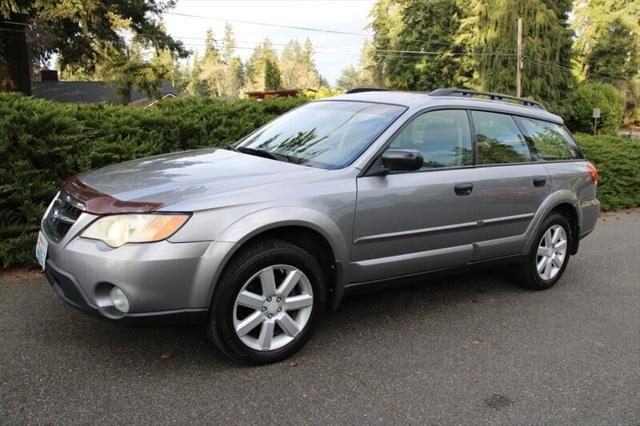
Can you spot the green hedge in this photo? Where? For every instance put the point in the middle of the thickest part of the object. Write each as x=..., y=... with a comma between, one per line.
x=618, y=162
x=43, y=143
x=596, y=95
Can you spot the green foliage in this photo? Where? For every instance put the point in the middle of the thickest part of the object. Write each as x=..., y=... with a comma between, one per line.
x=43, y=143
x=79, y=33
x=547, y=40
x=271, y=75
x=607, y=46
x=404, y=28
x=617, y=160
x=323, y=92
x=297, y=70
x=366, y=74
x=603, y=96
x=428, y=27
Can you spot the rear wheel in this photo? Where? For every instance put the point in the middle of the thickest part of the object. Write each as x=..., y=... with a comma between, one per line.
x=549, y=255
x=267, y=303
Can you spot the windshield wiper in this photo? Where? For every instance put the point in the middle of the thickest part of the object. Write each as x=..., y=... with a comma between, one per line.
x=261, y=153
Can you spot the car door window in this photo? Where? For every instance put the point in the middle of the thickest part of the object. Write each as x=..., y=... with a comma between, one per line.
x=498, y=139
x=442, y=137
x=550, y=141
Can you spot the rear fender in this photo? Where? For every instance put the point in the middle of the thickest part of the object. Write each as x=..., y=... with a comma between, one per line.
x=551, y=202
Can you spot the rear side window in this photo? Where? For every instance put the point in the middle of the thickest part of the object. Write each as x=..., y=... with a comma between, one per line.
x=550, y=141
x=442, y=137
x=498, y=139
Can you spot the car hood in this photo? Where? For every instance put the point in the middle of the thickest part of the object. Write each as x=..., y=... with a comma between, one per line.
x=156, y=182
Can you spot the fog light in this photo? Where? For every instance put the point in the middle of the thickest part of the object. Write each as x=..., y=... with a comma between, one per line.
x=119, y=299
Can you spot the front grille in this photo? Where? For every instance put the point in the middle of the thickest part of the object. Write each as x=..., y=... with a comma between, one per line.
x=63, y=214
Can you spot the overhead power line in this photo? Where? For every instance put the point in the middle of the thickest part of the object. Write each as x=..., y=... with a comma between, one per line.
x=267, y=24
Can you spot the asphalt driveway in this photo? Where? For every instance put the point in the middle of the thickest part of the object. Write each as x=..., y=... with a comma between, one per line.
x=472, y=349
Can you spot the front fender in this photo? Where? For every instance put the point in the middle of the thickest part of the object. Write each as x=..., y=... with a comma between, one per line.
x=260, y=221
x=249, y=226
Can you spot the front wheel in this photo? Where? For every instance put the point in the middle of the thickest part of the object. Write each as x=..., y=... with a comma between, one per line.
x=549, y=255
x=267, y=302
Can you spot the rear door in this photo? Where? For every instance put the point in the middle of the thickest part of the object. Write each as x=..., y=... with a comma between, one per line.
x=509, y=182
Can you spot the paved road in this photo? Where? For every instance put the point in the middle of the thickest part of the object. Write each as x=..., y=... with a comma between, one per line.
x=467, y=350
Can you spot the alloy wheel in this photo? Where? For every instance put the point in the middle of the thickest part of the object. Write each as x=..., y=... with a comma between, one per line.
x=552, y=251
x=272, y=307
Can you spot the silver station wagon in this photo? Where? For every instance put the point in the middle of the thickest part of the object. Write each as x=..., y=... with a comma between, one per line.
x=370, y=187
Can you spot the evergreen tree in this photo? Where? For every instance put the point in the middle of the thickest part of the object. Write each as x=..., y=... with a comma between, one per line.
x=385, y=23
x=210, y=46
x=256, y=67
x=271, y=75
x=228, y=44
x=428, y=27
x=547, y=48
x=196, y=86
x=236, y=76
x=297, y=68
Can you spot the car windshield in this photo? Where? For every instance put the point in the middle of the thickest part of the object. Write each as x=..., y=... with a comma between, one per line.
x=326, y=134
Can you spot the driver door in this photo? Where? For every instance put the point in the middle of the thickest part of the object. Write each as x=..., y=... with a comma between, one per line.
x=414, y=221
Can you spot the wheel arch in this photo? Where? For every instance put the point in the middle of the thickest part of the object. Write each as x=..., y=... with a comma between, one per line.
x=315, y=233
x=565, y=203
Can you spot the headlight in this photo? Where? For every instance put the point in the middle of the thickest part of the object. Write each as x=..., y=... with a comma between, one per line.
x=121, y=229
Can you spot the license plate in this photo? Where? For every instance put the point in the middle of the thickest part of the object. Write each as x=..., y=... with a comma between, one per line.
x=41, y=250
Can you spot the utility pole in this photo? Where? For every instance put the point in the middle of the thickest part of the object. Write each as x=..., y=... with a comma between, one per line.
x=519, y=61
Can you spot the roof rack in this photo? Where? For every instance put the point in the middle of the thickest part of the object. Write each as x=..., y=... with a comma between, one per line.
x=365, y=89
x=492, y=96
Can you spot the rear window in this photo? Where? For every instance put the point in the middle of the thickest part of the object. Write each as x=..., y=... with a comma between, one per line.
x=498, y=139
x=550, y=141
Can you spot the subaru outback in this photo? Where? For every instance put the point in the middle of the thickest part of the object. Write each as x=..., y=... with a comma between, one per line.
x=371, y=187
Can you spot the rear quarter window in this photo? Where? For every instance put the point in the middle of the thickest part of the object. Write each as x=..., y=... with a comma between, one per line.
x=550, y=141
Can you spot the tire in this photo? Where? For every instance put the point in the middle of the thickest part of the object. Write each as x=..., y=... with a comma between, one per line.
x=240, y=325
x=528, y=274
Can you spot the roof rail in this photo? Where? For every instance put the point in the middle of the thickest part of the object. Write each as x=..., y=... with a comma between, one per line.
x=492, y=96
x=365, y=89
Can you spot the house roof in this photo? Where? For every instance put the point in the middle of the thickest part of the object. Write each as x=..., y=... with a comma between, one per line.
x=93, y=91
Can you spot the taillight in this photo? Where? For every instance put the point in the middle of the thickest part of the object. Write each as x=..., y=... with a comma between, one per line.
x=593, y=172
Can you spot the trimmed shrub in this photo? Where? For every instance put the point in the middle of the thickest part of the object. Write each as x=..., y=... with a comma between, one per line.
x=43, y=143
x=603, y=96
x=618, y=162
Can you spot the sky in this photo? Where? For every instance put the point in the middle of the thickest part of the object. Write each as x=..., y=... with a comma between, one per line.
x=334, y=52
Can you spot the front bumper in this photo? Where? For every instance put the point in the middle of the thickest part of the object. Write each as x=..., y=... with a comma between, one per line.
x=71, y=292
x=164, y=282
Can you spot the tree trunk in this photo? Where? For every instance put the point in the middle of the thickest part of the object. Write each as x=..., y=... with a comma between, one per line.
x=15, y=73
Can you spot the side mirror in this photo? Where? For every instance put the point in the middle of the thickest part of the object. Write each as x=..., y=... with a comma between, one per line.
x=402, y=159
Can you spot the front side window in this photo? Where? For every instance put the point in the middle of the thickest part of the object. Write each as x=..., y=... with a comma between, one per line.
x=499, y=140
x=326, y=134
x=551, y=141
x=442, y=137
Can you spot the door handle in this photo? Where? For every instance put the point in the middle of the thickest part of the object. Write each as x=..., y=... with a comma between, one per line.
x=539, y=181
x=463, y=189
